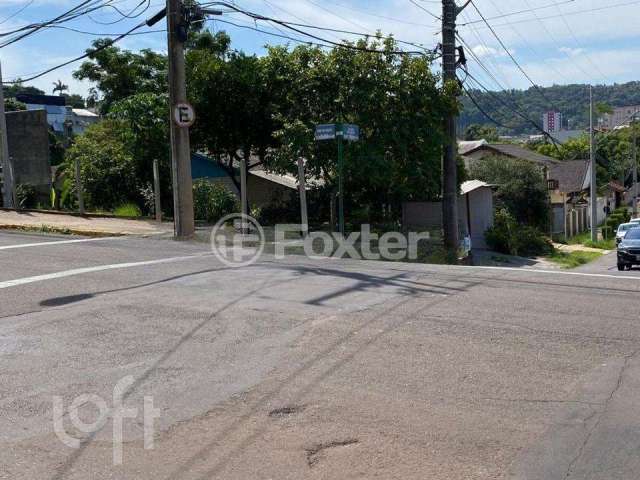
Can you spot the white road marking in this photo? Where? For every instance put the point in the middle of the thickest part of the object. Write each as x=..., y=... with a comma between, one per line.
x=555, y=272
x=60, y=242
x=99, y=268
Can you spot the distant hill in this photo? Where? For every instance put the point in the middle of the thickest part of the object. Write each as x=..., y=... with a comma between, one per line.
x=571, y=100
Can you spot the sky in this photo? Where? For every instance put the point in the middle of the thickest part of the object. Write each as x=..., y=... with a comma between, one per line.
x=559, y=42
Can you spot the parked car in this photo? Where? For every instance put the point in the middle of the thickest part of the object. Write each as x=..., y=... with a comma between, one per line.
x=629, y=250
x=623, y=228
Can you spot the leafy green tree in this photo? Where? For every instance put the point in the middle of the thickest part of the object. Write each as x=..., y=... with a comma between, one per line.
x=481, y=132
x=120, y=73
x=521, y=188
x=12, y=105
x=233, y=94
x=107, y=165
x=571, y=100
x=10, y=91
x=395, y=100
x=144, y=117
x=59, y=87
x=74, y=100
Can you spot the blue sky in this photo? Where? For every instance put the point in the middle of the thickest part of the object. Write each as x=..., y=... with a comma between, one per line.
x=562, y=41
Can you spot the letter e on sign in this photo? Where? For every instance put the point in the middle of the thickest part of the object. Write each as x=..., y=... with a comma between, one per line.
x=184, y=115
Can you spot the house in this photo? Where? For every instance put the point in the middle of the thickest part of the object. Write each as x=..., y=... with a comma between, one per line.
x=484, y=149
x=263, y=188
x=475, y=213
x=59, y=114
x=569, y=183
x=82, y=119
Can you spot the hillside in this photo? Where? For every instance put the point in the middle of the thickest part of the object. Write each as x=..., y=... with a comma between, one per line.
x=571, y=100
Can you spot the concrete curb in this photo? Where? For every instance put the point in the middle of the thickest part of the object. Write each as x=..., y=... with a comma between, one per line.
x=44, y=228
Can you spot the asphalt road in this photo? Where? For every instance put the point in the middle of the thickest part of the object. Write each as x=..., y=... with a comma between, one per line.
x=323, y=369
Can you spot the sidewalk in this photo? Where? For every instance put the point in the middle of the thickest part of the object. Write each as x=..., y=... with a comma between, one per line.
x=87, y=225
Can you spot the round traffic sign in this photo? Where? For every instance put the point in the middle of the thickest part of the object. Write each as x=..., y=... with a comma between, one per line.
x=184, y=115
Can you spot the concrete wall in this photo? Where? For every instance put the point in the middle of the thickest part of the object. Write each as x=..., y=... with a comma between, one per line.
x=428, y=215
x=28, y=141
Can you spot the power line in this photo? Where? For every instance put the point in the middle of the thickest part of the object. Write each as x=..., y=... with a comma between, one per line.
x=18, y=12
x=425, y=10
x=76, y=59
x=535, y=86
x=517, y=112
x=575, y=39
x=288, y=25
x=481, y=110
x=529, y=9
x=573, y=12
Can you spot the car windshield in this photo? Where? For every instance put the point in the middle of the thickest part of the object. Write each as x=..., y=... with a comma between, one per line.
x=634, y=234
x=626, y=226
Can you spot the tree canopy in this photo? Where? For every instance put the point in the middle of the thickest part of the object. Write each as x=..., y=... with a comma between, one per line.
x=269, y=106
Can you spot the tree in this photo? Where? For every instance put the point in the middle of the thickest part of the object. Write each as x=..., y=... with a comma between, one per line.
x=521, y=188
x=59, y=87
x=395, y=100
x=120, y=73
x=107, y=163
x=144, y=117
x=74, y=100
x=233, y=92
x=10, y=91
x=12, y=105
x=481, y=132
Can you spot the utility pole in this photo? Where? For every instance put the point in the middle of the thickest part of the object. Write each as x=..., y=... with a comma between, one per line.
x=594, y=177
x=177, y=28
x=8, y=185
x=303, y=197
x=449, y=160
x=243, y=191
x=339, y=138
x=156, y=190
x=634, y=165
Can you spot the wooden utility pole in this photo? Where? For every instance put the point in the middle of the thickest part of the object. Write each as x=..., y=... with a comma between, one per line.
x=184, y=225
x=8, y=184
x=449, y=160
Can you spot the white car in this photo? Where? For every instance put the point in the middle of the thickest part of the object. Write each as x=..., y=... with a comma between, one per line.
x=623, y=228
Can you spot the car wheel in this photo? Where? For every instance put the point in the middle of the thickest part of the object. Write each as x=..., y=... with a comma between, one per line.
x=620, y=267
x=629, y=267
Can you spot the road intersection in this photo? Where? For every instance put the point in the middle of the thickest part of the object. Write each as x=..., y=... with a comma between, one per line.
x=301, y=368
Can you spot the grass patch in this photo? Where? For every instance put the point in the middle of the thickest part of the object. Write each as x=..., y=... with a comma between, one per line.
x=128, y=210
x=573, y=259
x=585, y=239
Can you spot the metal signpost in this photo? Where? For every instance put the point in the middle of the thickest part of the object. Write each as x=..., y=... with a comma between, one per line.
x=339, y=132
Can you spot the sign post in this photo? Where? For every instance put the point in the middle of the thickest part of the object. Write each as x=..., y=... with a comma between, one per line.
x=339, y=132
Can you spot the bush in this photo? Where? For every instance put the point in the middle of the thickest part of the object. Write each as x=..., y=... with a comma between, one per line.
x=26, y=195
x=128, y=210
x=507, y=236
x=212, y=201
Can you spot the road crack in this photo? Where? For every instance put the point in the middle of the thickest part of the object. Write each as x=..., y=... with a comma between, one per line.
x=601, y=413
x=314, y=454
